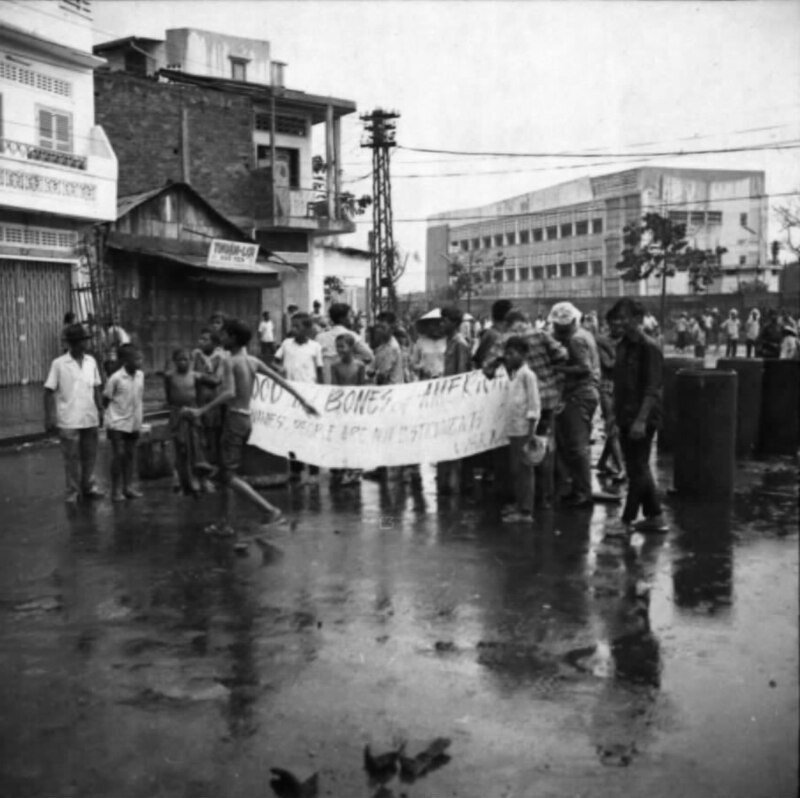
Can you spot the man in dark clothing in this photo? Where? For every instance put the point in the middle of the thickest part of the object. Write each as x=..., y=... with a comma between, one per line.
x=457, y=358
x=638, y=379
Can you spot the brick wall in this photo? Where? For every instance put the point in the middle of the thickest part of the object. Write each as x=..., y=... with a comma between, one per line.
x=142, y=119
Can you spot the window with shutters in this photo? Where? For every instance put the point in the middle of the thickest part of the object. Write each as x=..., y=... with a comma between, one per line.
x=55, y=130
x=238, y=69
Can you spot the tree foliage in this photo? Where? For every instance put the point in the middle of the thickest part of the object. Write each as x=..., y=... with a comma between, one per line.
x=348, y=203
x=333, y=285
x=657, y=247
x=789, y=218
x=466, y=272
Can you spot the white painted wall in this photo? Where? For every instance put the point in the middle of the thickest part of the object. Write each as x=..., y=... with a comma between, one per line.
x=49, y=19
x=202, y=52
x=36, y=185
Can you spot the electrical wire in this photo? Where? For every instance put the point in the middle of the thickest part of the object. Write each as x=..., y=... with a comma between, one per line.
x=590, y=155
x=739, y=132
x=686, y=203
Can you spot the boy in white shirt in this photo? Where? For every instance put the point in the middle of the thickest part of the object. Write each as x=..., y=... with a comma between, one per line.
x=266, y=337
x=124, y=402
x=524, y=410
x=300, y=359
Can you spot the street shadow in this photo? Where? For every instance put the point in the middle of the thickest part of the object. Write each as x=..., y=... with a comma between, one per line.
x=702, y=565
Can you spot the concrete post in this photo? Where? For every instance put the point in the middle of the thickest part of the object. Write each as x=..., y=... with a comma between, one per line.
x=780, y=427
x=666, y=435
x=329, y=160
x=705, y=443
x=748, y=401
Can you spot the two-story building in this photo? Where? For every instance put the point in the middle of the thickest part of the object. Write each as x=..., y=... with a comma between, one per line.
x=564, y=241
x=58, y=176
x=212, y=110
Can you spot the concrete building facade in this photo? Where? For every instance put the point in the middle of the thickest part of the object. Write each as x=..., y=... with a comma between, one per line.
x=58, y=176
x=564, y=241
x=198, y=108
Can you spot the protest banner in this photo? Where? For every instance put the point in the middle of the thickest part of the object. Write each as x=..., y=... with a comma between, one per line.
x=368, y=426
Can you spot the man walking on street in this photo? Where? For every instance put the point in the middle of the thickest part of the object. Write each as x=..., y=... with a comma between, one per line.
x=580, y=399
x=236, y=390
x=73, y=404
x=638, y=375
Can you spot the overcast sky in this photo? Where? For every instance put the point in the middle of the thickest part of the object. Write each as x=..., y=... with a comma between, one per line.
x=520, y=77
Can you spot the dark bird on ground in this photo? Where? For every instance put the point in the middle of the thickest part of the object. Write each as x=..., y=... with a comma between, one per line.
x=380, y=767
x=286, y=785
x=433, y=757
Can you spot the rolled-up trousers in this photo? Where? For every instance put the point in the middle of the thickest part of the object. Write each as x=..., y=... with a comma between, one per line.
x=573, y=437
x=79, y=448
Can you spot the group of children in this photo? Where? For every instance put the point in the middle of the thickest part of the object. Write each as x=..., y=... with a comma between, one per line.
x=191, y=381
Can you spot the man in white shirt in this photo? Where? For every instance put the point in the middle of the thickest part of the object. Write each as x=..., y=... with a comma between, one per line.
x=341, y=316
x=266, y=337
x=72, y=406
x=301, y=356
x=301, y=359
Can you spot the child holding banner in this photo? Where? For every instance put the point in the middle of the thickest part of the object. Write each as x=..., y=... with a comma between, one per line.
x=301, y=358
x=346, y=370
x=523, y=415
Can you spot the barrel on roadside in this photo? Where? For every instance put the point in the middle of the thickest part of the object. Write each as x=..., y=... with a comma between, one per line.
x=780, y=430
x=750, y=372
x=704, y=465
x=666, y=435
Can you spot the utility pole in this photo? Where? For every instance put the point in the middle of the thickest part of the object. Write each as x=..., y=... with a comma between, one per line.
x=380, y=131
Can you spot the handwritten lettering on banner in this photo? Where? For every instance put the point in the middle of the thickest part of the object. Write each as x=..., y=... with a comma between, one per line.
x=369, y=426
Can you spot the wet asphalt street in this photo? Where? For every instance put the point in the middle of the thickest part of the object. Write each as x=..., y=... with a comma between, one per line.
x=141, y=658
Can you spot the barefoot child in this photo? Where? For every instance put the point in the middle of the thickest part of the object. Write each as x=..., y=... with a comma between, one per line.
x=206, y=360
x=523, y=416
x=238, y=375
x=180, y=386
x=123, y=399
x=346, y=370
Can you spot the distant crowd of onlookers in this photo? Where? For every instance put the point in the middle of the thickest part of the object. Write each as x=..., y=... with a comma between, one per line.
x=768, y=334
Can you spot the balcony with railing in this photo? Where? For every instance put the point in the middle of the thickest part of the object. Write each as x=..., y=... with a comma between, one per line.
x=39, y=179
x=32, y=152
x=306, y=209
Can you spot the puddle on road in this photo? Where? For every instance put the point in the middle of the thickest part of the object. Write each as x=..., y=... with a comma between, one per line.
x=389, y=616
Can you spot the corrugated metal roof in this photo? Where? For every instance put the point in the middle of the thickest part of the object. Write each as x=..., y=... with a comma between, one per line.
x=130, y=201
x=200, y=262
x=101, y=48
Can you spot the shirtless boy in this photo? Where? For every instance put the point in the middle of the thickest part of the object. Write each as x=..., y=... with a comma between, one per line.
x=238, y=374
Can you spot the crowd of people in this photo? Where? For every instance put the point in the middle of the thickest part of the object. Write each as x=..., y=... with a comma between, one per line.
x=562, y=370
x=771, y=333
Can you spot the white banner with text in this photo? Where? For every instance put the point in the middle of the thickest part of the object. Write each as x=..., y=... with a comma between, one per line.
x=368, y=426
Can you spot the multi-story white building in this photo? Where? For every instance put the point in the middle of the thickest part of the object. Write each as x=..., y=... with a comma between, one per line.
x=58, y=175
x=564, y=241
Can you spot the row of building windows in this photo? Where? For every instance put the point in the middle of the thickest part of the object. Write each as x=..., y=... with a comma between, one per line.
x=583, y=268
x=35, y=79
x=534, y=235
x=284, y=123
x=699, y=218
x=38, y=237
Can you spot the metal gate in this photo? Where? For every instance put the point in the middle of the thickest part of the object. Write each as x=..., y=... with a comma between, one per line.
x=34, y=296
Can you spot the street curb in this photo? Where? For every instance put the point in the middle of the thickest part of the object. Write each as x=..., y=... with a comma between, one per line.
x=35, y=437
